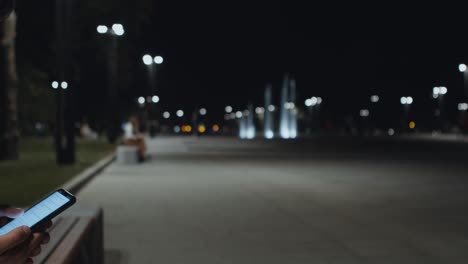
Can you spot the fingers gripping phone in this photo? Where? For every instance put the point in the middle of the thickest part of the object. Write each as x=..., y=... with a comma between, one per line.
x=43, y=211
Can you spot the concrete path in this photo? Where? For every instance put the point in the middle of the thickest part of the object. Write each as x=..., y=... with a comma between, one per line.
x=226, y=201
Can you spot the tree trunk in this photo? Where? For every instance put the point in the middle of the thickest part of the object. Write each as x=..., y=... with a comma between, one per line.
x=9, y=133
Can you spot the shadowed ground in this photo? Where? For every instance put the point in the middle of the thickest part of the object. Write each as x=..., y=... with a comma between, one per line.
x=335, y=200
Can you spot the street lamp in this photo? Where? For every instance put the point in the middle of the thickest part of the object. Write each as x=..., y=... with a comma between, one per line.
x=203, y=111
x=228, y=109
x=147, y=60
x=158, y=60
x=406, y=102
x=438, y=93
x=462, y=67
x=180, y=113
x=313, y=107
x=113, y=32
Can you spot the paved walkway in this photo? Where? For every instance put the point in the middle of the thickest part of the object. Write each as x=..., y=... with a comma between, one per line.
x=226, y=201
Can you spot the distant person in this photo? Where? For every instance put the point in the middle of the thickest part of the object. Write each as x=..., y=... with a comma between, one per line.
x=86, y=131
x=133, y=137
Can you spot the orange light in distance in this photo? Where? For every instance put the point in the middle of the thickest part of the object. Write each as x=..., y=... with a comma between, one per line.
x=201, y=129
x=412, y=125
x=215, y=128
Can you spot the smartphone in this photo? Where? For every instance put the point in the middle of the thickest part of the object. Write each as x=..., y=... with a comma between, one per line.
x=46, y=209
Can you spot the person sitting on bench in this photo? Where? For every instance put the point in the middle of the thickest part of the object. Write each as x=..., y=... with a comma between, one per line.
x=133, y=137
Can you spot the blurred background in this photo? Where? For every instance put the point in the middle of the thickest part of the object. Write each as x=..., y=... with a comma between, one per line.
x=318, y=90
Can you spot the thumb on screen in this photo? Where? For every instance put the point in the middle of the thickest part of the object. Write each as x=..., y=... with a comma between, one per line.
x=14, y=238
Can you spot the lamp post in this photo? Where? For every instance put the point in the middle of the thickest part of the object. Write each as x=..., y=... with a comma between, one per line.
x=463, y=68
x=406, y=102
x=113, y=32
x=313, y=113
x=65, y=110
x=151, y=64
x=438, y=93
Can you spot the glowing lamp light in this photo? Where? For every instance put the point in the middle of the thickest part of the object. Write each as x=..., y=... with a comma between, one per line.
x=462, y=67
x=238, y=114
x=180, y=113
x=177, y=129
x=443, y=90
x=55, y=85
x=462, y=107
x=155, y=99
x=64, y=85
x=412, y=125
x=118, y=29
x=215, y=128
x=101, y=29
x=228, y=109
x=166, y=115
x=364, y=113
x=375, y=98
x=158, y=60
x=308, y=102
x=203, y=111
x=201, y=129
x=391, y=132
x=271, y=108
x=259, y=110
x=141, y=100
x=147, y=60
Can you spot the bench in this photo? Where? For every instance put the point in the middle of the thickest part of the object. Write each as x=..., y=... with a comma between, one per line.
x=76, y=237
x=127, y=154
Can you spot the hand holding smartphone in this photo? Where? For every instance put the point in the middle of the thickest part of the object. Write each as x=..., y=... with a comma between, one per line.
x=41, y=212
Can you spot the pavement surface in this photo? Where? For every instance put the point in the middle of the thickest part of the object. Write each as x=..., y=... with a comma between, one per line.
x=320, y=200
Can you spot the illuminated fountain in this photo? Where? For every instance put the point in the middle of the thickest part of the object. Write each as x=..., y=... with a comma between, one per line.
x=284, y=105
x=268, y=115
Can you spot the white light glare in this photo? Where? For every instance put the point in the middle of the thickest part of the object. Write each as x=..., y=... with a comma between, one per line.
x=118, y=29
x=55, y=85
x=271, y=108
x=147, y=60
x=319, y=100
x=101, y=29
x=462, y=107
x=166, y=115
x=158, y=60
x=141, y=100
x=364, y=113
x=180, y=113
x=308, y=102
x=436, y=91
x=391, y=132
x=155, y=99
x=64, y=85
x=406, y=100
x=259, y=110
x=238, y=114
x=462, y=67
x=203, y=111
x=314, y=100
x=375, y=98
x=228, y=109
x=443, y=90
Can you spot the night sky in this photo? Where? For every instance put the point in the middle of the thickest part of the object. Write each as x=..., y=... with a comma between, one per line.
x=219, y=53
